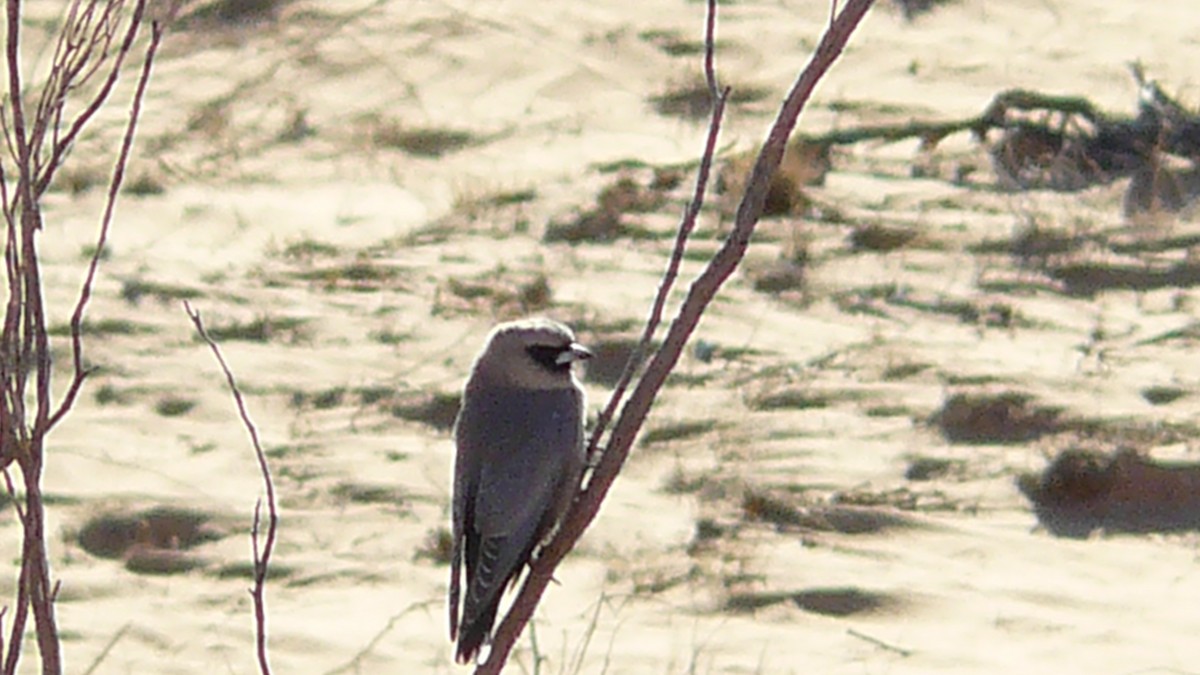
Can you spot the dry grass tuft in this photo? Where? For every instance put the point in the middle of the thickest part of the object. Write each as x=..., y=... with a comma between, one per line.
x=164, y=528
x=436, y=547
x=880, y=238
x=428, y=142
x=804, y=164
x=677, y=431
x=607, y=220
x=499, y=293
x=436, y=409
x=1007, y=417
x=692, y=100
x=839, y=602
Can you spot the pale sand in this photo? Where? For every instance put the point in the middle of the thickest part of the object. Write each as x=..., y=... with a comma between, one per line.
x=558, y=88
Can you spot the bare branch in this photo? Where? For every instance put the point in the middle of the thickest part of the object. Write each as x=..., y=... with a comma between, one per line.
x=262, y=557
x=686, y=226
x=22, y=613
x=13, y=62
x=112, y=642
x=355, y=664
x=879, y=643
x=63, y=145
x=20, y=617
x=84, y=49
x=701, y=293
x=114, y=187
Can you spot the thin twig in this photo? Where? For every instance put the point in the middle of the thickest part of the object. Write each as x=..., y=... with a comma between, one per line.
x=22, y=611
x=496, y=657
x=355, y=664
x=12, y=493
x=114, y=186
x=533, y=647
x=577, y=662
x=262, y=557
x=879, y=643
x=686, y=226
x=84, y=48
x=62, y=146
x=15, y=97
x=112, y=642
x=701, y=293
x=20, y=617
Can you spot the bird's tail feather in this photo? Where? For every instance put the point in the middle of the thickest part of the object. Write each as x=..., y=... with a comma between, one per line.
x=476, y=631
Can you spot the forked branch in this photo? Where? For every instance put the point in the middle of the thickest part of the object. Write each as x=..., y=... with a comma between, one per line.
x=262, y=555
x=157, y=30
x=30, y=118
x=702, y=291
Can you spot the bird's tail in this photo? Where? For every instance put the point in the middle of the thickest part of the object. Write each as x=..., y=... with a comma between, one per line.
x=475, y=631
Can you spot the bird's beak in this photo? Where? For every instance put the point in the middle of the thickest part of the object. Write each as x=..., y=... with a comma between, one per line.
x=573, y=353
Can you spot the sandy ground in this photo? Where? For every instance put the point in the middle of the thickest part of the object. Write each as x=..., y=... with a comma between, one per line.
x=275, y=190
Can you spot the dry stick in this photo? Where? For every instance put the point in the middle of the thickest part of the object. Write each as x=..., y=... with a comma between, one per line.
x=22, y=606
x=112, y=642
x=509, y=629
x=879, y=643
x=63, y=145
x=262, y=557
x=24, y=271
x=686, y=226
x=355, y=664
x=30, y=333
x=114, y=187
x=13, y=433
x=701, y=293
x=19, y=149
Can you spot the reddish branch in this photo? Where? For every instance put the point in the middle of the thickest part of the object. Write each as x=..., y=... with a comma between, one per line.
x=157, y=31
x=82, y=49
x=719, y=97
x=87, y=46
x=262, y=556
x=703, y=289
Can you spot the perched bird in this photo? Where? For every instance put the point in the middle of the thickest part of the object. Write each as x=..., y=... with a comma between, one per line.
x=520, y=442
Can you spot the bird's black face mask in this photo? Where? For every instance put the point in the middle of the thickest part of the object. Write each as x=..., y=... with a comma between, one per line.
x=550, y=357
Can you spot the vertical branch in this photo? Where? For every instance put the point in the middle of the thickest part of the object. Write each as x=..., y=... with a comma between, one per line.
x=22, y=605
x=15, y=100
x=53, y=100
x=85, y=47
x=262, y=557
x=13, y=430
x=15, y=355
x=25, y=327
x=702, y=291
x=18, y=628
x=157, y=30
x=686, y=226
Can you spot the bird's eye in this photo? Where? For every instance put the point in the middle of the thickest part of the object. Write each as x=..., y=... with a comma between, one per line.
x=547, y=356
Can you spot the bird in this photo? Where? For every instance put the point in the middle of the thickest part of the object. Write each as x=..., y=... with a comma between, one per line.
x=519, y=460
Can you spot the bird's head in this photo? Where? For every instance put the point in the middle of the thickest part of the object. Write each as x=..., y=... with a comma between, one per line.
x=531, y=353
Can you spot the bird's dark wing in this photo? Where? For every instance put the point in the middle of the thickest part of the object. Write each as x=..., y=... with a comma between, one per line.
x=533, y=443
x=470, y=441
